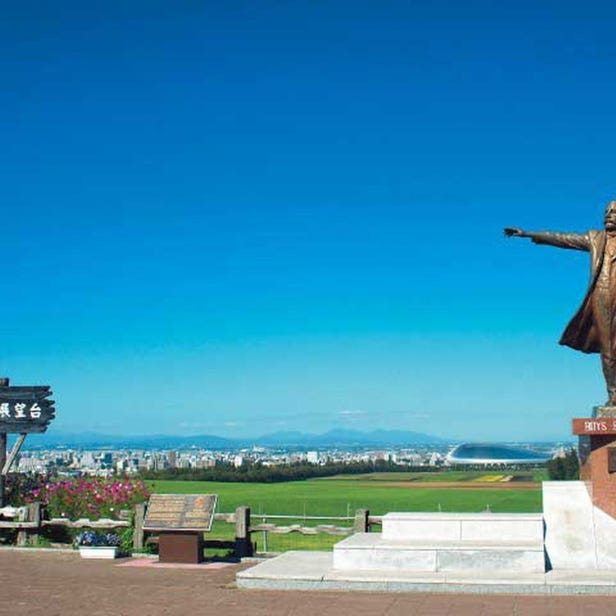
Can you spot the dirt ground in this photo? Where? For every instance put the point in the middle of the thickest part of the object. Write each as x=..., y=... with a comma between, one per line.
x=58, y=584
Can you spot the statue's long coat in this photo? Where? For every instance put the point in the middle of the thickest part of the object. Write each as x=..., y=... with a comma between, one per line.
x=581, y=333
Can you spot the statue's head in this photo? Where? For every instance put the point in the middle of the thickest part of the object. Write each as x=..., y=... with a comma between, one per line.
x=609, y=219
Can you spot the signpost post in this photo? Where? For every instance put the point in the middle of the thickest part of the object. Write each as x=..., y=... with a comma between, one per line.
x=23, y=410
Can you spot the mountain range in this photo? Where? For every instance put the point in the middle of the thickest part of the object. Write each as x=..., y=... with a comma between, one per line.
x=333, y=438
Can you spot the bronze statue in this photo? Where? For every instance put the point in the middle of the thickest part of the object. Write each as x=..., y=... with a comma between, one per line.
x=593, y=327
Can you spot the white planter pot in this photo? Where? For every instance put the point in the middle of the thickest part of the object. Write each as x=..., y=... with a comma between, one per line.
x=98, y=551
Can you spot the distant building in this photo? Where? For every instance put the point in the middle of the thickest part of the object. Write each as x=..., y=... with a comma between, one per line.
x=312, y=457
x=435, y=459
x=492, y=454
x=172, y=459
x=157, y=462
x=106, y=459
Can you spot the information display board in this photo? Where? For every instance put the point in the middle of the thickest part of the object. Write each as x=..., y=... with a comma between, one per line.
x=169, y=512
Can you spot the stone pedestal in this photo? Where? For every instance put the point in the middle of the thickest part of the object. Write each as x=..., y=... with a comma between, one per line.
x=597, y=450
x=180, y=547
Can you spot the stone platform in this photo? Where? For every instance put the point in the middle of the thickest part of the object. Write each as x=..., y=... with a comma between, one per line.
x=465, y=553
x=315, y=571
x=432, y=542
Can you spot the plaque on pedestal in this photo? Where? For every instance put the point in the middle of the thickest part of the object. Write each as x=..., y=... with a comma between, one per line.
x=181, y=520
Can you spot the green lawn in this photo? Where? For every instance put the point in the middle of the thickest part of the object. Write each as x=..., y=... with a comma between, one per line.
x=339, y=497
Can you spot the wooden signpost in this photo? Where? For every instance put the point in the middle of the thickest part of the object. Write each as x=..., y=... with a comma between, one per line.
x=181, y=520
x=23, y=410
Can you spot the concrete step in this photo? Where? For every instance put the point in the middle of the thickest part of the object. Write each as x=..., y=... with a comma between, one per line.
x=373, y=552
x=482, y=527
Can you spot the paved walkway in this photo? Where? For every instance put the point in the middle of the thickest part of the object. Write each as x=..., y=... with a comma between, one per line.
x=59, y=584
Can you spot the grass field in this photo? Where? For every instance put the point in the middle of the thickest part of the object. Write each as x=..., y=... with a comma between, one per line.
x=341, y=496
x=338, y=497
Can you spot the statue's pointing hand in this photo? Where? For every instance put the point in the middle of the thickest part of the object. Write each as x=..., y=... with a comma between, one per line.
x=513, y=232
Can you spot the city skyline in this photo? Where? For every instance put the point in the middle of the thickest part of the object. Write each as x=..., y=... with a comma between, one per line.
x=243, y=219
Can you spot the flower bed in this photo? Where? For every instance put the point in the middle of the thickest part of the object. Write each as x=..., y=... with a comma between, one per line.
x=84, y=498
x=92, y=538
x=98, y=545
x=91, y=498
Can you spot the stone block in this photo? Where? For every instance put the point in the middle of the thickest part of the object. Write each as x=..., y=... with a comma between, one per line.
x=368, y=551
x=420, y=527
x=569, y=528
x=498, y=558
x=482, y=527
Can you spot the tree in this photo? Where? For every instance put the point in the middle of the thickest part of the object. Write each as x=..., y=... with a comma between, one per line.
x=564, y=468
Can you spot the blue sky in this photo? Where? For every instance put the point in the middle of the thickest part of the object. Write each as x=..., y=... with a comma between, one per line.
x=237, y=218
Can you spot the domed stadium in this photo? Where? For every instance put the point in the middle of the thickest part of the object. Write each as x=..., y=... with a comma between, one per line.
x=489, y=453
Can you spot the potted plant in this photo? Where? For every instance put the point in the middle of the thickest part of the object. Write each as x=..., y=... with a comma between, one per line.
x=97, y=545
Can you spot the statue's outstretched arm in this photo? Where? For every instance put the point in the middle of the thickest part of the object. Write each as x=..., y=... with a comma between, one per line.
x=575, y=241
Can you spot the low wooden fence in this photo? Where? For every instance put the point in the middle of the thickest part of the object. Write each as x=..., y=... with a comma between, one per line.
x=29, y=522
